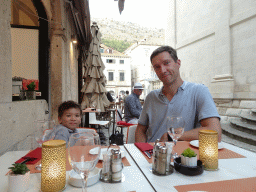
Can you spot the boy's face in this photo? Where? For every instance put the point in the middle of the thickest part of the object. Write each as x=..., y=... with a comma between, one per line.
x=71, y=118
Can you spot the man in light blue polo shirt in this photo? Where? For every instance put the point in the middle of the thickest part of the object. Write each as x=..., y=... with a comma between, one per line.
x=176, y=98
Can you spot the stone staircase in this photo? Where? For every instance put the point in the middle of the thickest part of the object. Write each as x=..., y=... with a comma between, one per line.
x=241, y=130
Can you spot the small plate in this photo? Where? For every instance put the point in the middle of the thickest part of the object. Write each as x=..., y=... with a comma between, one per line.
x=188, y=170
x=195, y=143
x=104, y=151
x=76, y=180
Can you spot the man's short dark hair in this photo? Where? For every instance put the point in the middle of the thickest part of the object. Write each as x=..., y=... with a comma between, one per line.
x=127, y=92
x=68, y=105
x=168, y=49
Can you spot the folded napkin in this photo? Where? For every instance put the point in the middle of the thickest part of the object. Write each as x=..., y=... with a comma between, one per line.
x=37, y=154
x=144, y=146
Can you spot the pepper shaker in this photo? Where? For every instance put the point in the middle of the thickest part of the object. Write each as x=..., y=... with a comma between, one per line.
x=155, y=155
x=162, y=161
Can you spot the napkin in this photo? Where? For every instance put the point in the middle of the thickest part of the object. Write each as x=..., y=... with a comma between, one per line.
x=144, y=146
x=37, y=154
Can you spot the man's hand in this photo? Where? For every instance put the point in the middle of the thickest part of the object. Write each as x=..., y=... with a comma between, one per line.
x=140, y=133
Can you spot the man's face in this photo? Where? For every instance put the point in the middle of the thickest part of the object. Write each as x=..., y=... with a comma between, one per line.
x=138, y=91
x=71, y=118
x=166, y=68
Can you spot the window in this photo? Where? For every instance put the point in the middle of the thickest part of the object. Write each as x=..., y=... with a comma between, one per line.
x=111, y=76
x=111, y=60
x=110, y=51
x=101, y=50
x=121, y=61
x=121, y=76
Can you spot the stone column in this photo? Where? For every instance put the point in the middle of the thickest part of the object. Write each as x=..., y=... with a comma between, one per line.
x=222, y=86
x=56, y=59
x=5, y=52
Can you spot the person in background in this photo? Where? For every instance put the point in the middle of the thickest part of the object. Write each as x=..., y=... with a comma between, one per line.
x=191, y=101
x=132, y=105
x=69, y=116
x=126, y=95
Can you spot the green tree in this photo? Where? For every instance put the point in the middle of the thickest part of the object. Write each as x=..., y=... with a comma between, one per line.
x=118, y=45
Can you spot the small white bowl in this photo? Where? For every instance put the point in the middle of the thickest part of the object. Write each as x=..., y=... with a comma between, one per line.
x=192, y=161
x=76, y=180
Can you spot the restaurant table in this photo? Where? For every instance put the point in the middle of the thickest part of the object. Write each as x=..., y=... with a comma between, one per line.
x=134, y=179
x=229, y=169
x=85, y=123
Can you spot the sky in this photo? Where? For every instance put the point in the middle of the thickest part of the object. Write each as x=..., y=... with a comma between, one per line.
x=147, y=13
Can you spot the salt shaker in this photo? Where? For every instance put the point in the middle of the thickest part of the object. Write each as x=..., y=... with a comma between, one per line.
x=155, y=154
x=162, y=161
x=169, y=146
x=116, y=165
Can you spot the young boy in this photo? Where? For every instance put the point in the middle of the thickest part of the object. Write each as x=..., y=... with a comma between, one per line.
x=69, y=116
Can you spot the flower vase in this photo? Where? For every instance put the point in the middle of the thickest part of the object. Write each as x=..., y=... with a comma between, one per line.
x=18, y=182
x=31, y=95
x=189, y=161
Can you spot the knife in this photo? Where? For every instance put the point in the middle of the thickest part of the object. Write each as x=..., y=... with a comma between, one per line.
x=28, y=159
x=147, y=154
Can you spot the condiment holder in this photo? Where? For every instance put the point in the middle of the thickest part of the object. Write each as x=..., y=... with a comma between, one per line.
x=112, y=167
x=161, y=159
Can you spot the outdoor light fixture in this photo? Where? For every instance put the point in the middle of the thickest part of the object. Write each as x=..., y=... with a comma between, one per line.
x=208, y=149
x=53, y=175
x=73, y=39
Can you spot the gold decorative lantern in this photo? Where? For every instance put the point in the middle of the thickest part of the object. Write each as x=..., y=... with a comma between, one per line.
x=208, y=149
x=53, y=175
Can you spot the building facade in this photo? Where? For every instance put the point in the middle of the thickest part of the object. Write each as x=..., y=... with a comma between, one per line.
x=117, y=71
x=215, y=41
x=37, y=43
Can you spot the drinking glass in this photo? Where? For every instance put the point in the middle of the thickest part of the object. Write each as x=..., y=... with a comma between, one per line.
x=175, y=130
x=81, y=159
x=44, y=131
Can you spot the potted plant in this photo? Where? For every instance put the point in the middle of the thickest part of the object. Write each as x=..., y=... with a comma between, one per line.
x=188, y=157
x=18, y=178
x=31, y=93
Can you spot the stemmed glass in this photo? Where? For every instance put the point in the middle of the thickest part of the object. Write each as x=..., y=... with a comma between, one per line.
x=175, y=130
x=45, y=131
x=81, y=160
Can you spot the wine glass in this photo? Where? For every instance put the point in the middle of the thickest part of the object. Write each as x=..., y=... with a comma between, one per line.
x=81, y=159
x=175, y=130
x=45, y=131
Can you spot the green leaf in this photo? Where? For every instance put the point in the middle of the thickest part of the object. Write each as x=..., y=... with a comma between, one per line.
x=189, y=153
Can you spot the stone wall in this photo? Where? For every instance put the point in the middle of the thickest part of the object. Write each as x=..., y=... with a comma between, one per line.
x=16, y=122
x=215, y=41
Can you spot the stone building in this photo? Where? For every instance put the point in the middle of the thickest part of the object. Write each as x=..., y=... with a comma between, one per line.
x=215, y=41
x=37, y=42
x=117, y=71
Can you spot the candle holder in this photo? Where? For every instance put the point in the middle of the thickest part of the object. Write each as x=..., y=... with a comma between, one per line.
x=208, y=149
x=53, y=175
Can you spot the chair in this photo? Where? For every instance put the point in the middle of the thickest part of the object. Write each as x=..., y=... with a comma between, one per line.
x=131, y=134
x=93, y=121
x=121, y=124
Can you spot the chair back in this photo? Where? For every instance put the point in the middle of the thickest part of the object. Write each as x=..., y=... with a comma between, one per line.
x=92, y=118
x=131, y=134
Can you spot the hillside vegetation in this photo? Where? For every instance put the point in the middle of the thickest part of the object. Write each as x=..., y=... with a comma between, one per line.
x=120, y=35
x=118, y=45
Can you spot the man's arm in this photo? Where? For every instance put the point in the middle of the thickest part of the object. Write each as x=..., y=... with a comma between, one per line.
x=212, y=123
x=140, y=133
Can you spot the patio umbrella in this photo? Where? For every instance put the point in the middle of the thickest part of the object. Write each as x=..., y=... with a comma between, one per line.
x=94, y=79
